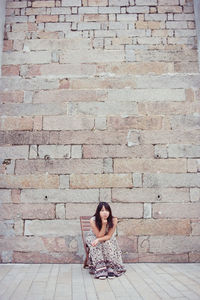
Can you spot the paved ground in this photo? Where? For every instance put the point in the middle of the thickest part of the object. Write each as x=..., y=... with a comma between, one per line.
x=148, y=281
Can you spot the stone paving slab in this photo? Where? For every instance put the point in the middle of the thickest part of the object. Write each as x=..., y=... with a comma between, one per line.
x=149, y=281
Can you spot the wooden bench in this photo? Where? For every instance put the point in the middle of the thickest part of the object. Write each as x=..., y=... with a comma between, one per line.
x=85, y=227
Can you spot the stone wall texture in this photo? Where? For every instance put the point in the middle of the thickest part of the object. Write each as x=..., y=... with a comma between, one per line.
x=100, y=101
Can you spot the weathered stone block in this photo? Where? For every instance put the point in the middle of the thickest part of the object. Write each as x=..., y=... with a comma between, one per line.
x=160, y=151
x=137, y=122
x=51, y=27
x=163, y=258
x=39, y=57
x=67, y=123
x=71, y=2
x=17, y=123
x=196, y=227
x=32, y=181
x=176, y=210
x=107, y=165
x=30, y=109
x=59, y=166
x=28, y=211
x=116, y=3
x=168, y=2
x=154, y=227
x=138, y=10
x=52, y=228
x=89, y=137
x=10, y=70
x=91, y=56
x=109, y=10
x=176, y=24
x=64, y=95
x=46, y=18
x=97, y=2
x=17, y=4
x=174, y=244
x=175, y=150
x=75, y=210
x=169, y=9
x=128, y=245
x=100, y=123
x=60, y=211
x=6, y=228
x=127, y=210
x=194, y=194
x=103, y=108
x=186, y=121
x=43, y=3
x=59, y=195
x=76, y=151
x=148, y=2
x=100, y=180
x=105, y=195
x=137, y=179
x=6, y=97
x=14, y=152
x=5, y=196
x=54, y=151
x=125, y=165
x=17, y=83
x=147, y=210
x=166, y=55
x=15, y=195
x=171, y=180
x=151, y=195
x=138, y=95
x=99, y=151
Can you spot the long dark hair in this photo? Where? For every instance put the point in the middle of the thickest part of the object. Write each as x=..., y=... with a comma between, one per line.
x=98, y=218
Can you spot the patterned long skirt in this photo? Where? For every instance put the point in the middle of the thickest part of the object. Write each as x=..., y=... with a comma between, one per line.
x=105, y=257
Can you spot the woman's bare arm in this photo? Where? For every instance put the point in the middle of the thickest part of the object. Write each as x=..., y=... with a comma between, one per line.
x=96, y=231
x=110, y=232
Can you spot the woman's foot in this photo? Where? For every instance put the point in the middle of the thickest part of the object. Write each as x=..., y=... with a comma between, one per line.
x=102, y=277
x=111, y=275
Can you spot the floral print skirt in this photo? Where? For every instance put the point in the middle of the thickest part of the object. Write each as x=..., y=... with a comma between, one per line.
x=104, y=257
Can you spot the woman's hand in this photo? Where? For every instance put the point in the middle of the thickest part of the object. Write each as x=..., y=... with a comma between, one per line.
x=95, y=242
x=104, y=221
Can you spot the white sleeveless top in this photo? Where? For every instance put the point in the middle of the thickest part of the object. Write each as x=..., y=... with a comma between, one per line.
x=114, y=234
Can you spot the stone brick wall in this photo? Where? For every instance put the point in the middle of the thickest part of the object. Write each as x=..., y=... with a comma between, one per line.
x=100, y=102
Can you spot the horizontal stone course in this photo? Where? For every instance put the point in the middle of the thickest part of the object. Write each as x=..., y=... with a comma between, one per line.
x=52, y=228
x=32, y=181
x=29, y=109
x=28, y=211
x=176, y=210
x=99, y=151
x=65, y=95
x=172, y=180
x=59, y=166
x=18, y=83
x=154, y=227
x=64, y=137
x=59, y=195
x=14, y=152
x=149, y=165
x=147, y=95
x=27, y=58
x=174, y=244
x=142, y=195
x=67, y=123
x=100, y=180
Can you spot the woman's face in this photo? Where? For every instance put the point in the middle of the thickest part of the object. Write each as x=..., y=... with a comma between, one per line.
x=104, y=214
